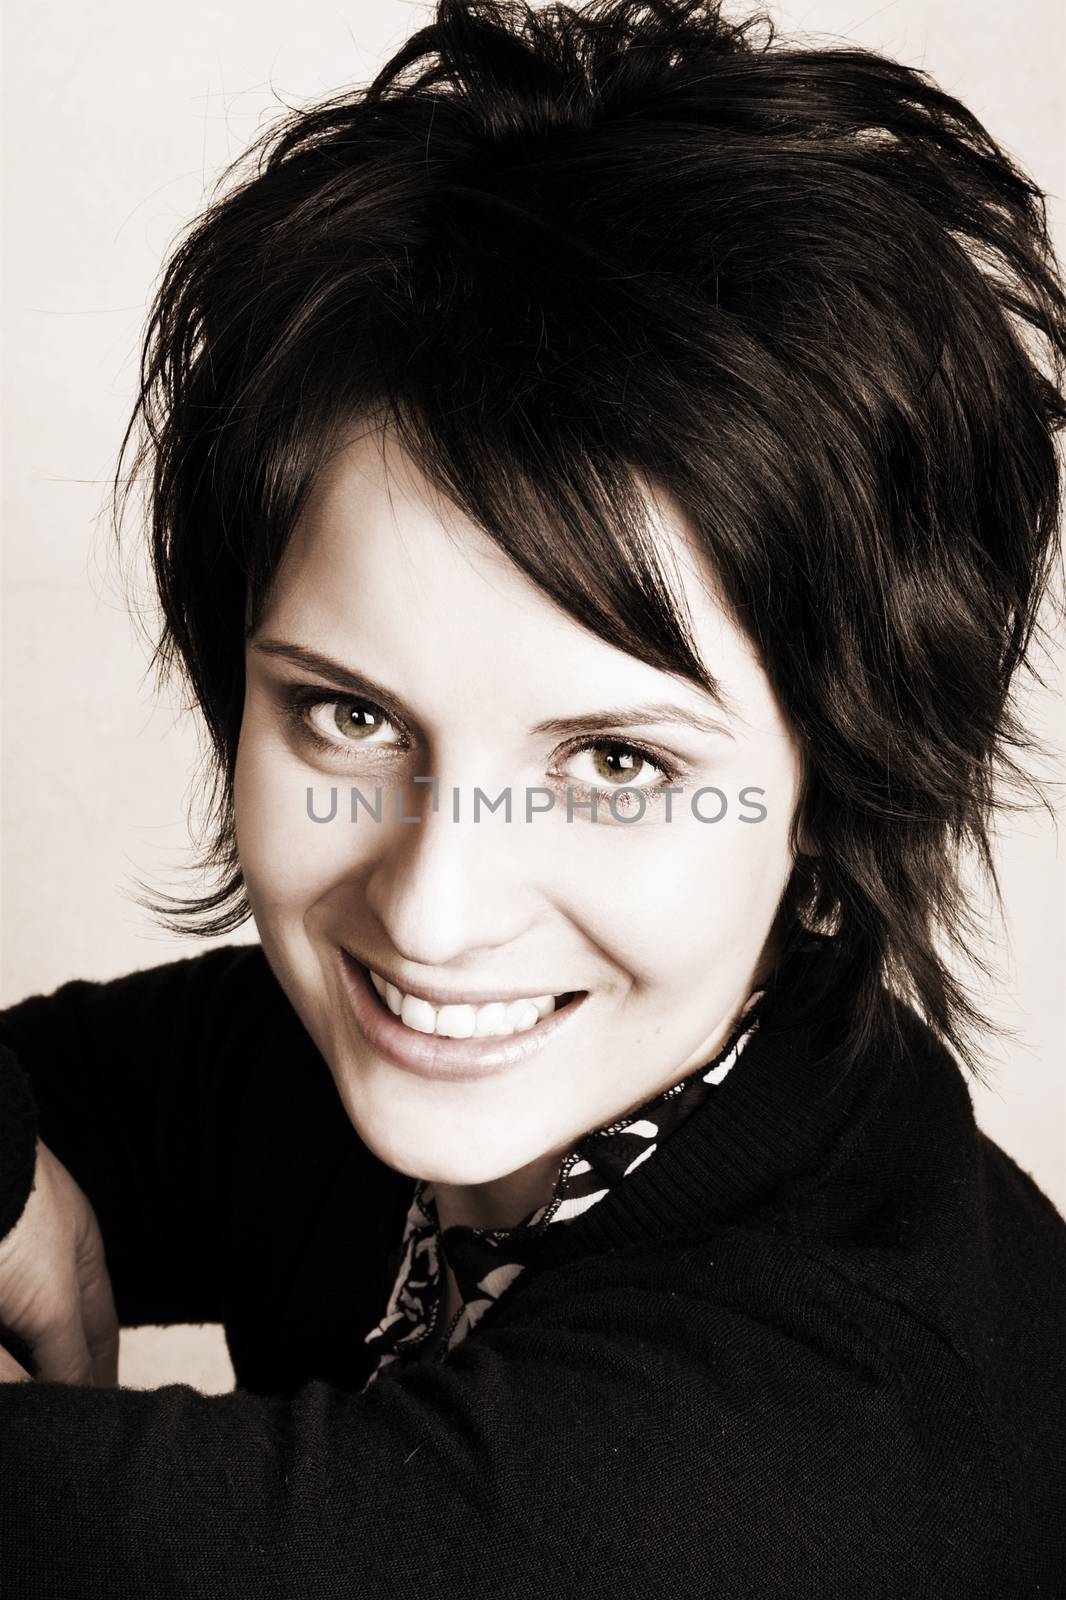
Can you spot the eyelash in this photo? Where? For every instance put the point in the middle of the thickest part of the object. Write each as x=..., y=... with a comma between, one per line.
x=299, y=701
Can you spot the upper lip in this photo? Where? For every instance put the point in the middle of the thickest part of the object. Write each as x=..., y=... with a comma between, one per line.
x=445, y=997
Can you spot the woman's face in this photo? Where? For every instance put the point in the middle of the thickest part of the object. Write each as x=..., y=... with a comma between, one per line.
x=663, y=924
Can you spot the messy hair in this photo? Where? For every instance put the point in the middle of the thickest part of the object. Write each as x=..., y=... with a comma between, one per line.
x=564, y=252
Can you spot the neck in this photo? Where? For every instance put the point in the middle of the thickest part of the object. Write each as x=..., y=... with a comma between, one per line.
x=500, y=1202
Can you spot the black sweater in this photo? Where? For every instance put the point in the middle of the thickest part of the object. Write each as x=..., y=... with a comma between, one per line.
x=814, y=1348
x=486, y=1261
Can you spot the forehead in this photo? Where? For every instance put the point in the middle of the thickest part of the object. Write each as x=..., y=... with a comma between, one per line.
x=385, y=574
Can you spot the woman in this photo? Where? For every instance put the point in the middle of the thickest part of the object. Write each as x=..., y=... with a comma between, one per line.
x=603, y=483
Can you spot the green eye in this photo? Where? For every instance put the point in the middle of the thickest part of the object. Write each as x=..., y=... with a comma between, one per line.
x=354, y=720
x=346, y=720
x=338, y=725
x=617, y=765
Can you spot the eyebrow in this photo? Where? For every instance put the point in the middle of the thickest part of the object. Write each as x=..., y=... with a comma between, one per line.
x=631, y=716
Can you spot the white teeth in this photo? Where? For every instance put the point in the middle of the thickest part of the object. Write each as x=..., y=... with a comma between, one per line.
x=497, y=1019
x=523, y=1014
x=490, y=1019
x=456, y=1022
x=418, y=1014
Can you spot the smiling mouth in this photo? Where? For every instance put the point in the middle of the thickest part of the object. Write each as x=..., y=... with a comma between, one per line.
x=423, y=1051
x=493, y=1019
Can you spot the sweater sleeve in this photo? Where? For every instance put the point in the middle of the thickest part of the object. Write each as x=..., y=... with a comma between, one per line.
x=580, y=1440
x=18, y=1140
x=137, y=1086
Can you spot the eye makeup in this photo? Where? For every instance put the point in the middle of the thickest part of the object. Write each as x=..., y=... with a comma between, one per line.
x=299, y=701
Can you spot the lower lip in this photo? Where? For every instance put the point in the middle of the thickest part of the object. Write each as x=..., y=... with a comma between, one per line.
x=430, y=1055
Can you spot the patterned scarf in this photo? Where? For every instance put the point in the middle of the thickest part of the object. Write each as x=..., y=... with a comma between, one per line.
x=486, y=1261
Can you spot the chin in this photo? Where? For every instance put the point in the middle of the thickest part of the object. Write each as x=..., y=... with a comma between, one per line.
x=421, y=1141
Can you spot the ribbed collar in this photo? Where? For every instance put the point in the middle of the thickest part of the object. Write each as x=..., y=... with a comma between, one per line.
x=767, y=1124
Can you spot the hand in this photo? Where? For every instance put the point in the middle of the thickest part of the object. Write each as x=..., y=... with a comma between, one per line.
x=55, y=1291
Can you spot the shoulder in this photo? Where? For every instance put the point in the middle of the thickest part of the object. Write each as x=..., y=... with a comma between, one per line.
x=224, y=968
x=770, y=1417
x=191, y=1006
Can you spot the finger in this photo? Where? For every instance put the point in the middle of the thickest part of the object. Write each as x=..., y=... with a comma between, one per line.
x=99, y=1320
x=10, y=1371
x=60, y=1350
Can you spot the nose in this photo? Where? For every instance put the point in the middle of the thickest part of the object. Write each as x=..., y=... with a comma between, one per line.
x=441, y=888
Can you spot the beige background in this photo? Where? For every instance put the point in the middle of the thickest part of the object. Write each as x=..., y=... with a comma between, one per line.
x=118, y=118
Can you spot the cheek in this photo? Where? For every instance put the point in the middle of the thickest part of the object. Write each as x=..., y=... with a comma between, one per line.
x=287, y=859
x=689, y=891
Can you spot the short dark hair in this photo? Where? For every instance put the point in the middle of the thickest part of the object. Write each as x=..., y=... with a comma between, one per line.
x=801, y=288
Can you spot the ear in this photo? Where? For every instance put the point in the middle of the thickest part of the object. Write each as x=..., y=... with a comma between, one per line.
x=805, y=843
